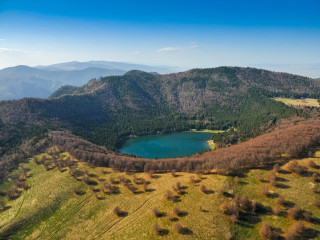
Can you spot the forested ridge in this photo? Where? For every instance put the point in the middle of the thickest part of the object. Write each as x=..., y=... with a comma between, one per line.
x=106, y=111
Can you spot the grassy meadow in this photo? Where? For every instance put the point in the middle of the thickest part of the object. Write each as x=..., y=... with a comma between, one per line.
x=310, y=102
x=56, y=205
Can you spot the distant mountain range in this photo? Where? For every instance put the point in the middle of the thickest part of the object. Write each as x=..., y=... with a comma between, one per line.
x=41, y=81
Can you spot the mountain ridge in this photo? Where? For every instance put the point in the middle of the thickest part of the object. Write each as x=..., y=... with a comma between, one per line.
x=107, y=110
x=40, y=82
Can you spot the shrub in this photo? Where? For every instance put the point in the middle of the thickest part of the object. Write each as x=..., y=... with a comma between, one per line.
x=276, y=210
x=156, y=212
x=273, y=179
x=112, y=180
x=203, y=188
x=172, y=217
x=169, y=195
x=234, y=218
x=316, y=188
x=295, y=212
x=290, y=236
x=280, y=200
x=257, y=207
x=307, y=216
x=230, y=208
x=314, y=177
x=311, y=164
x=177, y=188
x=228, y=236
x=221, y=192
x=12, y=193
x=145, y=187
x=117, y=211
x=316, y=203
x=265, y=191
x=276, y=167
x=245, y=203
x=292, y=165
x=2, y=205
x=150, y=173
x=267, y=232
x=192, y=180
x=178, y=228
x=297, y=228
x=236, y=180
x=156, y=229
x=177, y=211
x=77, y=191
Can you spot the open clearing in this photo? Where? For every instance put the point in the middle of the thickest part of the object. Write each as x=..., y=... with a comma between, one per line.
x=50, y=210
x=310, y=102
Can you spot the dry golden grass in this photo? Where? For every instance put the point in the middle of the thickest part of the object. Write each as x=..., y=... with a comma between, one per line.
x=311, y=102
x=50, y=210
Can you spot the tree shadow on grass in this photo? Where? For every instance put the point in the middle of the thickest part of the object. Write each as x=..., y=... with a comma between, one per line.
x=123, y=214
x=210, y=191
x=151, y=190
x=281, y=179
x=282, y=186
x=285, y=172
x=186, y=231
x=183, y=214
x=163, y=232
x=244, y=224
x=310, y=233
x=250, y=219
x=289, y=204
x=316, y=221
x=243, y=183
x=272, y=195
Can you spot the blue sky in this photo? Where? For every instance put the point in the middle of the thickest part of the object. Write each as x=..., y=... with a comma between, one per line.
x=278, y=35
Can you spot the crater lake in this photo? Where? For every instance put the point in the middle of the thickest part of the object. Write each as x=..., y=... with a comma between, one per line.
x=167, y=145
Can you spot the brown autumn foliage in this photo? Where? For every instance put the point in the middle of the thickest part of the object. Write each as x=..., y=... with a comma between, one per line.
x=316, y=203
x=311, y=164
x=295, y=212
x=314, y=177
x=156, y=212
x=262, y=150
x=296, y=230
x=157, y=229
x=267, y=232
x=273, y=178
x=280, y=200
x=203, y=188
x=178, y=228
x=117, y=211
x=169, y=196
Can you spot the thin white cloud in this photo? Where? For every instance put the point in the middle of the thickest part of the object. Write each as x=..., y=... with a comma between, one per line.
x=168, y=49
x=10, y=50
x=135, y=52
x=2, y=39
x=175, y=49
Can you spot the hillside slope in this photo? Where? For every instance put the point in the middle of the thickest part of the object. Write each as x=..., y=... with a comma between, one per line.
x=60, y=202
x=105, y=111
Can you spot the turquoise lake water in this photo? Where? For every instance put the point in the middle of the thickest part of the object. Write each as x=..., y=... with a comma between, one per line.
x=167, y=145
